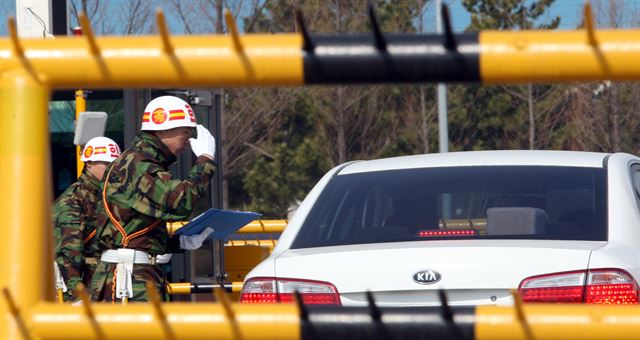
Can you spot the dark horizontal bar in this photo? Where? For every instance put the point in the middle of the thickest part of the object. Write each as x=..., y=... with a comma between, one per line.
x=408, y=58
x=335, y=322
x=70, y=95
x=199, y=288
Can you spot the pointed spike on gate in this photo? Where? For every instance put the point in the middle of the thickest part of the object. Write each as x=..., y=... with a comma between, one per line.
x=85, y=300
x=233, y=31
x=307, y=44
x=373, y=307
x=13, y=307
x=164, y=32
x=18, y=49
x=517, y=303
x=154, y=298
x=221, y=298
x=81, y=290
x=589, y=25
x=450, y=42
x=380, y=42
x=447, y=313
x=303, y=312
x=522, y=318
x=15, y=40
x=88, y=32
x=15, y=312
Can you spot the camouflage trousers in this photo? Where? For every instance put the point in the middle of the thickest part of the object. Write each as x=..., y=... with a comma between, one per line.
x=71, y=294
x=103, y=284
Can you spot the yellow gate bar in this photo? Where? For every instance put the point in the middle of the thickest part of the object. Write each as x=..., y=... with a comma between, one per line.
x=558, y=321
x=543, y=56
x=142, y=61
x=26, y=254
x=185, y=288
x=287, y=321
x=263, y=226
x=186, y=321
x=279, y=59
x=254, y=227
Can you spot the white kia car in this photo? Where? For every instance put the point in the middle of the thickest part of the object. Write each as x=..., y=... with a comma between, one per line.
x=558, y=226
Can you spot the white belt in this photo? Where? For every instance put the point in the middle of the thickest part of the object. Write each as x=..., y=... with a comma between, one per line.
x=59, y=280
x=123, y=255
x=125, y=258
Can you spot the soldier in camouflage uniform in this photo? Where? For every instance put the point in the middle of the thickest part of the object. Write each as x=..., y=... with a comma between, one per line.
x=74, y=217
x=139, y=196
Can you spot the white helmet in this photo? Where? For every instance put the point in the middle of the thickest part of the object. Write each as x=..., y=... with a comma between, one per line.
x=167, y=112
x=100, y=149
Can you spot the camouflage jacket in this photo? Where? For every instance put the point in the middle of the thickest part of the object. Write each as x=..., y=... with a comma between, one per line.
x=141, y=195
x=74, y=217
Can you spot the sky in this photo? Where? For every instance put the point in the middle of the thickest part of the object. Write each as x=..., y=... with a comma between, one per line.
x=570, y=12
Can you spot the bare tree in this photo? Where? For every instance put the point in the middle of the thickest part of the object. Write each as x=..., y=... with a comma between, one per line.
x=123, y=17
x=424, y=115
x=94, y=10
x=365, y=122
x=252, y=117
x=612, y=15
x=132, y=12
x=207, y=16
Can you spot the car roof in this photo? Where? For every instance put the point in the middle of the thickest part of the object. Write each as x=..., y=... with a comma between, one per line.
x=481, y=158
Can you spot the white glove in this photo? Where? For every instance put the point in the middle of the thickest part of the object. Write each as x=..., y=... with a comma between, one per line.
x=194, y=241
x=163, y=258
x=204, y=144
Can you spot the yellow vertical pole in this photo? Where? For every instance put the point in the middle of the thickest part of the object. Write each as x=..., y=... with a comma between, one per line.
x=81, y=106
x=25, y=172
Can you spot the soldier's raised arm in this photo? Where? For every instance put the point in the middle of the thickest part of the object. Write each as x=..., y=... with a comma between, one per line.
x=169, y=199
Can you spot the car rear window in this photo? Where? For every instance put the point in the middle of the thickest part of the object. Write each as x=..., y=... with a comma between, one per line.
x=481, y=202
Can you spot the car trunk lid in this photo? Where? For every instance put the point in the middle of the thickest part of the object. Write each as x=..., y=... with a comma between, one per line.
x=472, y=272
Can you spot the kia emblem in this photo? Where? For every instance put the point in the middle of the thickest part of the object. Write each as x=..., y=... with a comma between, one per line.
x=427, y=277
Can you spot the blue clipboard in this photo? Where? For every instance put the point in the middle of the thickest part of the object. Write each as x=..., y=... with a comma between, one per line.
x=223, y=222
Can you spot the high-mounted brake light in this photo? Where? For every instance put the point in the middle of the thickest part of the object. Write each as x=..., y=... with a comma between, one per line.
x=444, y=233
x=272, y=290
x=598, y=286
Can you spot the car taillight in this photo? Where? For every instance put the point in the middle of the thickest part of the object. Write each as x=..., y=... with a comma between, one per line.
x=271, y=290
x=261, y=290
x=611, y=287
x=559, y=287
x=598, y=286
